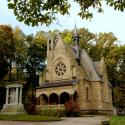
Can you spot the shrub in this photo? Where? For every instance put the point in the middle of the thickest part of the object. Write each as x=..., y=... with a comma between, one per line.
x=105, y=122
x=31, y=109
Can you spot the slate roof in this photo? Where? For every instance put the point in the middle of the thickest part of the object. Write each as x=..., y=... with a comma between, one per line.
x=58, y=83
x=97, y=66
x=91, y=68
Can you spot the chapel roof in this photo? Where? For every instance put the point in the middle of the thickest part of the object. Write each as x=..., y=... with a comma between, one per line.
x=58, y=83
x=91, y=68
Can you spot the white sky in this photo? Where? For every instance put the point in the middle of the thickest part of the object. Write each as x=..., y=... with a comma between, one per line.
x=109, y=21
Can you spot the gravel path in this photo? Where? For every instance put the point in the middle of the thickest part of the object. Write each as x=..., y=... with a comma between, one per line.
x=88, y=120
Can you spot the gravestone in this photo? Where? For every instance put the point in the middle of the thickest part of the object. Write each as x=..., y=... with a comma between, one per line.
x=13, y=103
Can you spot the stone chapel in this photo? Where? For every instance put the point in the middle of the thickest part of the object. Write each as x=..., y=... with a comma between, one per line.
x=71, y=75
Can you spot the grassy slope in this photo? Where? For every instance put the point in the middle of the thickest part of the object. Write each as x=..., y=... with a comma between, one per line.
x=117, y=120
x=28, y=118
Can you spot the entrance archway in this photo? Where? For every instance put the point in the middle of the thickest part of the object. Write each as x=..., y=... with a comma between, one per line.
x=43, y=99
x=53, y=99
x=64, y=97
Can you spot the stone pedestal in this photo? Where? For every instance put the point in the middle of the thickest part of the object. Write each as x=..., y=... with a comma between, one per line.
x=13, y=103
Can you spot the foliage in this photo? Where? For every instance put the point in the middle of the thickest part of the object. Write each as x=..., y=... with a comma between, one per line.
x=4, y=66
x=2, y=96
x=104, y=43
x=121, y=65
x=7, y=49
x=105, y=122
x=28, y=118
x=117, y=120
x=20, y=52
x=67, y=36
x=86, y=38
x=29, y=100
x=37, y=11
x=36, y=54
x=119, y=95
x=52, y=112
x=35, y=64
x=34, y=12
x=71, y=110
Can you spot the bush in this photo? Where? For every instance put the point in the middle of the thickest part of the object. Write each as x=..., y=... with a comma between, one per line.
x=52, y=112
x=105, y=123
x=74, y=113
x=31, y=109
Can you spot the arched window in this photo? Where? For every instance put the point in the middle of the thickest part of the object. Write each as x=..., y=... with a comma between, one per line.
x=87, y=94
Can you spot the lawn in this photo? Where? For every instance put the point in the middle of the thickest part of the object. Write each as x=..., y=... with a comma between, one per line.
x=28, y=118
x=117, y=120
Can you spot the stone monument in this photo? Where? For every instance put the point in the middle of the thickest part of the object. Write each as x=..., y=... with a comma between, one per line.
x=13, y=104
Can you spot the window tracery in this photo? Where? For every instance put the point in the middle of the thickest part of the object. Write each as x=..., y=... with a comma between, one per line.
x=60, y=68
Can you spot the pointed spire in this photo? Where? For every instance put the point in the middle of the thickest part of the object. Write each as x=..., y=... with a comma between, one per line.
x=75, y=36
x=75, y=30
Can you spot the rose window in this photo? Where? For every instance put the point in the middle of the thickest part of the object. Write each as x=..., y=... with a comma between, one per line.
x=60, y=68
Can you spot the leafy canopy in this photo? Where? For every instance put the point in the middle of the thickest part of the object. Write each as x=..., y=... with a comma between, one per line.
x=34, y=12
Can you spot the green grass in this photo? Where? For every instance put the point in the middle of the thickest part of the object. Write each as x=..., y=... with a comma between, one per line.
x=117, y=120
x=28, y=118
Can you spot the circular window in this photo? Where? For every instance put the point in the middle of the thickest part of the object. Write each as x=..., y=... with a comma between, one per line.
x=60, y=68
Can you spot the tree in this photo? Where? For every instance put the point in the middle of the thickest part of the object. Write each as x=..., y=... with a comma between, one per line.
x=86, y=38
x=67, y=36
x=20, y=52
x=7, y=49
x=35, y=64
x=119, y=90
x=104, y=43
x=121, y=66
x=119, y=97
x=3, y=68
x=34, y=12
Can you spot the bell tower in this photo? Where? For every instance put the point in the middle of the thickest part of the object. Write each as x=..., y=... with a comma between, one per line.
x=76, y=45
x=50, y=49
x=75, y=37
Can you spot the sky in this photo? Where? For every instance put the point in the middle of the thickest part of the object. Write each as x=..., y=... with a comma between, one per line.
x=109, y=21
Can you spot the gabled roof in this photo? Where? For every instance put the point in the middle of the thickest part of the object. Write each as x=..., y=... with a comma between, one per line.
x=92, y=70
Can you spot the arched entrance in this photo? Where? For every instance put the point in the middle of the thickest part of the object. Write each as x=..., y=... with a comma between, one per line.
x=43, y=99
x=53, y=99
x=64, y=97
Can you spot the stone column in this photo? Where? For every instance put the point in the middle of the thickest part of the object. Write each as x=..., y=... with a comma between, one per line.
x=7, y=93
x=20, y=96
x=48, y=102
x=17, y=91
x=71, y=99
x=59, y=102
